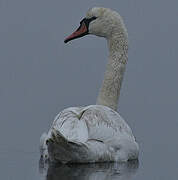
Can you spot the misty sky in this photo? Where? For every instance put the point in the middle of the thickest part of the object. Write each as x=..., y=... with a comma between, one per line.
x=40, y=75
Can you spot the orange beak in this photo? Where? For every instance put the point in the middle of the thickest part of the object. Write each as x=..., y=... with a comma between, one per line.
x=81, y=31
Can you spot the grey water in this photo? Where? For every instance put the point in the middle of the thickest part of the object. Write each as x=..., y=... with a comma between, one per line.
x=96, y=171
x=40, y=76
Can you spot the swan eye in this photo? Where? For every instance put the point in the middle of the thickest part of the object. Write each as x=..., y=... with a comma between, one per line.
x=92, y=18
x=88, y=20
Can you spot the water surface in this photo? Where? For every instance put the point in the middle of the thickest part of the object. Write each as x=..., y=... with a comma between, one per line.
x=100, y=171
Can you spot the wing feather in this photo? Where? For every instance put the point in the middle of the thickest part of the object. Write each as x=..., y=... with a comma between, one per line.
x=70, y=126
x=97, y=122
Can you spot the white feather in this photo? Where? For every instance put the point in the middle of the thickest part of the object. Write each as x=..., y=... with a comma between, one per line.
x=100, y=134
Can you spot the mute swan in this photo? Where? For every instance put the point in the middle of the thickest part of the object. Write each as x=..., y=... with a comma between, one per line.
x=95, y=133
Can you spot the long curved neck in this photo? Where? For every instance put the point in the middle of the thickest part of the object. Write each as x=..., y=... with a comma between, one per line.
x=110, y=89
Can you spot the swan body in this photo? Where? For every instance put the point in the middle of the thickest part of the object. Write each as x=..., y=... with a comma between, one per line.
x=95, y=133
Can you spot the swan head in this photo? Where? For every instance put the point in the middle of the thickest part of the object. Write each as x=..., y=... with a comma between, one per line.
x=99, y=21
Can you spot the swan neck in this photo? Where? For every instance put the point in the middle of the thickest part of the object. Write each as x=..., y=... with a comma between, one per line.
x=111, y=86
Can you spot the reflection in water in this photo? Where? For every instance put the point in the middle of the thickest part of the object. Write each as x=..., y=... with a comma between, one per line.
x=99, y=171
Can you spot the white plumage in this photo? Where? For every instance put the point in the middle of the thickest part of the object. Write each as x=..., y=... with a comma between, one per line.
x=96, y=133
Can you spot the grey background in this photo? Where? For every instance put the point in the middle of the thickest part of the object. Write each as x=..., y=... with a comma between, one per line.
x=40, y=76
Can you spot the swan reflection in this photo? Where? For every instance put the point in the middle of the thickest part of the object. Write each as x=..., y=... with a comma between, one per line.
x=100, y=171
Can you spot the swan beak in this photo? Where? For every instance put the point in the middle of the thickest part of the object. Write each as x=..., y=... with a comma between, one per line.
x=81, y=31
